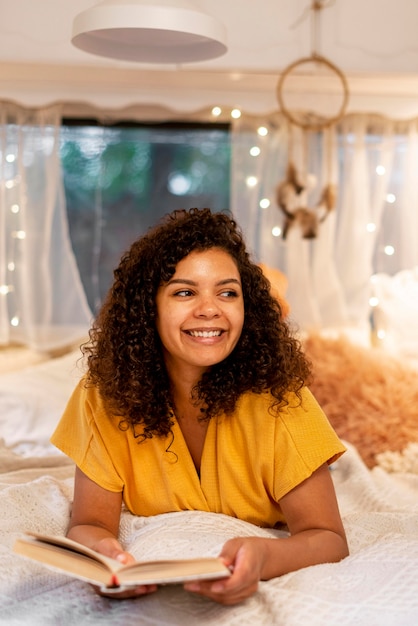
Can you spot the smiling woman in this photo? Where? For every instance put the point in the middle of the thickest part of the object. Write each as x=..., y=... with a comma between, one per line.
x=195, y=399
x=200, y=313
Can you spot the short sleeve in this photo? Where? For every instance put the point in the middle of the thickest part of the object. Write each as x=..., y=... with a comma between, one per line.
x=86, y=434
x=304, y=441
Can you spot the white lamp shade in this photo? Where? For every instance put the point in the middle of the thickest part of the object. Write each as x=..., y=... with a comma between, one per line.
x=134, y=31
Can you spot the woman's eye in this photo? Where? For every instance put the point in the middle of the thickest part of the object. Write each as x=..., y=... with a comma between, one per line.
x=229, y=293
x=187, y=293
x=183, y=293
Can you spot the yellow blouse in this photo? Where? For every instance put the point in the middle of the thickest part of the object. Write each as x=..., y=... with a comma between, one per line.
x=250, y=459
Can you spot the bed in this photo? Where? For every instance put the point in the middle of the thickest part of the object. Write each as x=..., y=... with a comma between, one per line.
x=376, y=585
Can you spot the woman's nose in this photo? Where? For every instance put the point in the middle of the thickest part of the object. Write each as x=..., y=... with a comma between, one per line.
x=207, y=306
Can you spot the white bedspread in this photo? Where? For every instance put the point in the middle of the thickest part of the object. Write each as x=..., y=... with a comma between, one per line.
x=376, y=586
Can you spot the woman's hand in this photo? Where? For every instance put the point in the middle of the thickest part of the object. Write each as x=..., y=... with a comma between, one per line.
x=316, y=536
x=94, y=522
x=111, y=547
x=246, y=556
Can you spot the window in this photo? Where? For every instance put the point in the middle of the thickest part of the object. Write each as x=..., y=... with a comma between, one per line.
x=120, y=180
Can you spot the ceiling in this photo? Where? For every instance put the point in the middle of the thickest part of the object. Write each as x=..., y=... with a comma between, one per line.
x=369, y=40
x=361, y=36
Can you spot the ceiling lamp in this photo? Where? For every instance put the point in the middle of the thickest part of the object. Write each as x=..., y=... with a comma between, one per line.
x=165, y=31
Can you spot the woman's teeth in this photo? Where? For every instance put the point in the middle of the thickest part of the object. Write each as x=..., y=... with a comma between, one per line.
x=204, y=333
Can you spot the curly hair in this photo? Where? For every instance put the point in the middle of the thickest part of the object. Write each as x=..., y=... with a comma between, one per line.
x=125, y=357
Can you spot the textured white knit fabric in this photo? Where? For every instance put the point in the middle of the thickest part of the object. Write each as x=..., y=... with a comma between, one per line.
x=377, y=585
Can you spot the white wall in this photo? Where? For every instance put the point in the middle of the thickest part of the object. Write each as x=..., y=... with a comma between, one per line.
x=191, y=90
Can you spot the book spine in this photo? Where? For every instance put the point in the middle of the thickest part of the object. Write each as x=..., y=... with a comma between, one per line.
x=114, y=581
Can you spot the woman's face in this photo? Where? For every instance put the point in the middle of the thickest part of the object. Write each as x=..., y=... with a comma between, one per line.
x=200, y=312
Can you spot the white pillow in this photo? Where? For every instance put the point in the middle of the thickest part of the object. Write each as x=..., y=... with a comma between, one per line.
x=32, y=401
x=396, y=314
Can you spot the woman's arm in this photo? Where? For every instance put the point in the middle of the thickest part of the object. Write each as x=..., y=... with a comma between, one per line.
x=316, y=536
x=94, y=522
x=316, y=530
x=95, y=515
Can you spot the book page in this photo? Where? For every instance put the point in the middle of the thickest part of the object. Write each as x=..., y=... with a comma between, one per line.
x=63, y=544
x=173, y=571
x=67, y=562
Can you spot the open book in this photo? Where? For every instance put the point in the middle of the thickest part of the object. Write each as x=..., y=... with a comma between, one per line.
x=72, y=558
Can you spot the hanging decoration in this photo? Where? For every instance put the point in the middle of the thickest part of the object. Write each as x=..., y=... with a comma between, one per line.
x=313, y=121
x=292, y=193
x=292, y=199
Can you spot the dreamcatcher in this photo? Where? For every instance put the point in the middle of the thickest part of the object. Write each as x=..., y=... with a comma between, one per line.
x=292, y=193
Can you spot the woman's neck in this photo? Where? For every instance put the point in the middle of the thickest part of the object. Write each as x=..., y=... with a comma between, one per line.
x=182, y=381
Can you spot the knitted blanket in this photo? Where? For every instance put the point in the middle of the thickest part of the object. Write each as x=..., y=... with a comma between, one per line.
x=377, y=585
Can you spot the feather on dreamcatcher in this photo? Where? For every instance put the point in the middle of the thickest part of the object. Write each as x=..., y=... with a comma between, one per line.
x=292, y=199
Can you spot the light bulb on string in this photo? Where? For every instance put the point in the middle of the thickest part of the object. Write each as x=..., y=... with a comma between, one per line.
x=18, y=234
x=15, y=321
x=5, y=289
x=251, y=181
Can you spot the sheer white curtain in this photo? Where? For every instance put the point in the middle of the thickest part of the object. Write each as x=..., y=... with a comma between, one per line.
x=42, y=301
x=374, y=227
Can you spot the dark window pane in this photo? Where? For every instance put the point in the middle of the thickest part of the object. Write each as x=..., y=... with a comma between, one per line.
x=121, y=180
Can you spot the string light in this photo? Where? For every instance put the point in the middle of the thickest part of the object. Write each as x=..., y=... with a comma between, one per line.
x=251, y=181
x=18, y=234
x=391, y=198
x=276, y=231
x=380, y=170
x=13, y=230
x=236, y=114
x=216, y=111
x=389, y=250
x=264, y=203
x=371, y=227
x=5, y=289
x=255, y=151
x=262, y=131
